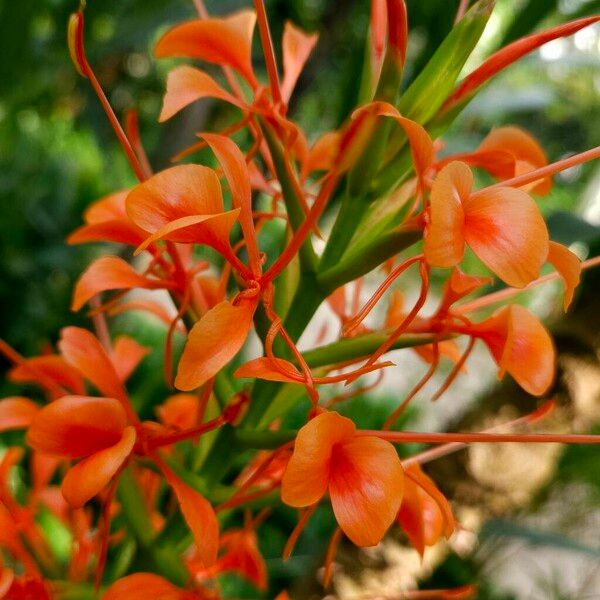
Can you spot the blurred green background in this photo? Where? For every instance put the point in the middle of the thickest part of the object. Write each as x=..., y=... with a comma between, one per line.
x=57, y=154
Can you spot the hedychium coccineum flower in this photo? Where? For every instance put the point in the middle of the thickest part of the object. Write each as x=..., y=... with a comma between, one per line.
x=402, y=208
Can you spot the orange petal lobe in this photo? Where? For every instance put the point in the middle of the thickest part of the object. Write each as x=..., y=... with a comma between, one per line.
x=89, y=476
x=505, y=229
x=17, y=412
x=182, y=204
x=127, y=355
x=271, y=369
x=75, y=426
x=186, y=85
x=568, y=266
x=444, y=236
x=180, y=411
x=120, y=231
x=307, y=474
x=82, y=349
x=107, y=273
x=521, y=346
x=297, y=46
x=200, y=517
x=213, y=341
x=525, y=151
x=366, y=486
x=141, y=586
x=424, y=517
x=226, y=41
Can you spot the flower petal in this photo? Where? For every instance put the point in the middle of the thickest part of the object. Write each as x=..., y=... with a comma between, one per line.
x=180, y=411
x=213, y=341
x=82, y=349
x=181, y=191
x=444, y=238
x=568, y=266
x=505, y=229
x=520, y=346
x=226, y=42
x=297, y=46
x=108, y=208
x=186, y=85
x=119, y=231
x=89, y=476
x=182, y=204
x=525, y=151
x=366, y=485
x=17, y=412
x=307, y=474
x=75, y=426
x=127, y=355
x=141, y=586
x=108, y=273
x=269, y=369
x=323, y=153
x=212, y=230
x=200, y=517
x=424, y=515
x=52, y=366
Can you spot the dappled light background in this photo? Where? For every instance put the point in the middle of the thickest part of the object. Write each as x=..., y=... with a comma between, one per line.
x=522, y=537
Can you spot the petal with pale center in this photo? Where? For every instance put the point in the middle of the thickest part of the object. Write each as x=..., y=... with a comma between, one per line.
x=365, y=486
x=505, y=229
x=307, y=474
x=444, y=234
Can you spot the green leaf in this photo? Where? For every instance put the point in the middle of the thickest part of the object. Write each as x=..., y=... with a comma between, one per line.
x=425, y=96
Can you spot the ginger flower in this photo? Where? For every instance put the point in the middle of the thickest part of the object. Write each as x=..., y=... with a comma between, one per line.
x=502, y=225
x=363, y=475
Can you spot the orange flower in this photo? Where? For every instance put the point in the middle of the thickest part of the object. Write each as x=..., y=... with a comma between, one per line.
x=213, y=341
x=503, y=226
x=94, y=429
x=141, y=586
x=241, y=555
x=16, y=412
x=107, y=221
x=507, y=152
x=182, y=204
x=363, y=475
x=225, y=41
x=425, y=515
x=521, y=346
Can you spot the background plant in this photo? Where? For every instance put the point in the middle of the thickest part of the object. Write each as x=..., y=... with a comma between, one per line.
x=151, y=401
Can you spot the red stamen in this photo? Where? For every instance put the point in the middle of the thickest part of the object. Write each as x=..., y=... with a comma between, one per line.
x=405, y=437
x=268, y=51
x=543, y=172
x=332, y=548
x=456, y=370
x=355, y=321
x=305, y=515
x=404, y=405
x=501, y=295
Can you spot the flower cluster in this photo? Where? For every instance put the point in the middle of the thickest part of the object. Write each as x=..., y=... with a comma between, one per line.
x=133, y=489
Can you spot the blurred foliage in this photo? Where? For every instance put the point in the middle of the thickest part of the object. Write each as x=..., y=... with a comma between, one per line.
x=57, y=154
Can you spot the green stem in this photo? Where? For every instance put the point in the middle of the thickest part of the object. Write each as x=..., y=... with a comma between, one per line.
x=163, y=560
x=291, y=191
x=361, y=260
x=358, y=347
